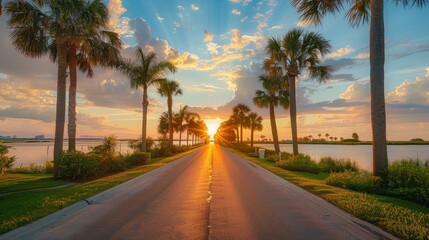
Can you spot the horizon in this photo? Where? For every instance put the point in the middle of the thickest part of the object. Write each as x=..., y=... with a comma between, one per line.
x=218, y=47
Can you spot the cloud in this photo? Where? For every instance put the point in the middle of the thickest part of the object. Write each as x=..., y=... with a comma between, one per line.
x=235, y=12
x=411, y=92
x=341, y=63
x=357, y=92
x=411, y=49
x=117, y=23
x=340, y=52
x=258, y=16
x=239, y=42
x=194, y=7
x=235, y=1
x=303, y=23
x=362, y=56
x=212, y=48
x=160, y=19
x=208, y=37
x=276, y=27
x=203, y=88
x=180, y=7
x=244, y=19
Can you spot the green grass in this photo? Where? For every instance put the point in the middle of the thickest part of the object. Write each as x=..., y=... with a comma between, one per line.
x=14, y=182
x=402, y=218
x=20, y=208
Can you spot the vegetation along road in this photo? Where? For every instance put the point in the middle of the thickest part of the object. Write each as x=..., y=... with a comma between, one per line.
x=208, y=194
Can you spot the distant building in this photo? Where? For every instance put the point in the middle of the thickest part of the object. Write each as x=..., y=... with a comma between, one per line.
x=39, y=137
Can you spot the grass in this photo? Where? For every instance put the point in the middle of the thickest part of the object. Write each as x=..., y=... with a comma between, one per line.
x=401, y=218
x=14, y=182
x=21, y=208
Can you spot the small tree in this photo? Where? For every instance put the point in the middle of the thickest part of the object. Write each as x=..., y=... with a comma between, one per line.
x=355, y=137
x=5, y=161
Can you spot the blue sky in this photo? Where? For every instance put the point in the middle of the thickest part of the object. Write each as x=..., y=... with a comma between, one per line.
x=218, y=46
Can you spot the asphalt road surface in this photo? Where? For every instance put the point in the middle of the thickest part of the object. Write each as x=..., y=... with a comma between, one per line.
x=209, y=194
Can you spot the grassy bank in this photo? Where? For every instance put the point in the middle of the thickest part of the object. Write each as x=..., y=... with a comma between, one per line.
x=402, y=218
x=20, y=208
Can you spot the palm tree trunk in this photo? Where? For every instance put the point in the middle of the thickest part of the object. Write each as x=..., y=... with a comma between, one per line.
x=378, y=111
x=145, y=104
x=180, y=137
x=61, y=103
x=241, y=131
x=251, y=136
x=187, y=138
x=72, y=99
x=292, y=108
x=170, y=122
x=274, y=128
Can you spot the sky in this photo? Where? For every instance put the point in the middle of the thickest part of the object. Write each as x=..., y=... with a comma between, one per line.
x=218, y=46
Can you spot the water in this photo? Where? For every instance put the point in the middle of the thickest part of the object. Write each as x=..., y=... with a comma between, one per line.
x=27, y=153
x=361, y=154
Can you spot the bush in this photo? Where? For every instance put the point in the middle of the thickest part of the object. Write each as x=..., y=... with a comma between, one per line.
x=75, y=165
x=161, y=150
x=136, y=145
x=301, y=162
x=49, y=167
x=328, y=164
x=137, y=158
x=358, y=181
x=409, y=179
x=112, y=164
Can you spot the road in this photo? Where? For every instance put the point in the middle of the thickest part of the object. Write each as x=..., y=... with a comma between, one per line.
x=209, y=194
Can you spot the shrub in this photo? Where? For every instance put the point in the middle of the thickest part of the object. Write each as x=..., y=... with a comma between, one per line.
x=161, y=150
x=49, y=167
x=328, y=164
x=112, y=164
x=358, y=181
x=136, y=145
x=409, y=179
x=137, y=158
x=75, y=165
x=301, y=162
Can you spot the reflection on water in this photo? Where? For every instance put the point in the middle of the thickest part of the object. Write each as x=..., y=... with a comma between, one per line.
x=361, y=154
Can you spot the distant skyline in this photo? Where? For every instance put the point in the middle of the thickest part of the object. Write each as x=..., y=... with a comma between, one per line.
x=218, y=46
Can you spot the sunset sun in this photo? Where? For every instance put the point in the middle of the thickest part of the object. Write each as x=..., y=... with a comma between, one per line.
x=212, y=126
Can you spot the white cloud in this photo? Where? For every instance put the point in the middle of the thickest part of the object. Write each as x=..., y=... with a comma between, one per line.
x=341, y=52
x=411, y=92
x=161, y=19
x=276, y=27
x=194, y=7
x=117, y=23
x=180, y=7
x=212, y=48
x=208, y=37
x=258, y=15
x=235, y=12
x=357, y=92
x=244, y=19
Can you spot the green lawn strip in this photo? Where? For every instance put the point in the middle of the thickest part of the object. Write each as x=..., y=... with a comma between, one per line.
x=11, y=182
x=20, y=208
x=401, y=218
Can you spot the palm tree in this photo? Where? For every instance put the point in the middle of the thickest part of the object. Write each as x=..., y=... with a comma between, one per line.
x=327, y=136
x=320, y=135
x=189, y=118
x=255, y=122
x=361, y=12
x=163, y=125
x=34, y=26
x=240, y=113
x=355, y=137
x=169, y=89
x=181, y=120
x=270, y=98
x=90, y=45
x=298, y=52
x=143, y=72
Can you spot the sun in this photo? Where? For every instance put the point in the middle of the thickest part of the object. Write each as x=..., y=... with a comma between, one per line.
x=212, y=126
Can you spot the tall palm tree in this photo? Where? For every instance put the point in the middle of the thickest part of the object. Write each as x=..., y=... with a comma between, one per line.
x=181, y=120
x=271, y=97
x=361, y=12
x=298, y=52
x=91, y=45
x=255, y=122
x=167, y=88
x=34, y=26
x=143, y=72
x=240, y=111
